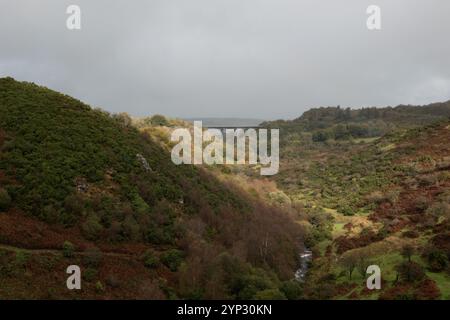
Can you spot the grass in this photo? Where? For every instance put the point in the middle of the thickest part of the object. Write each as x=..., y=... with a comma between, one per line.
x=365, y=140
x=388, y=147
x=338, y=229
x=443, y=282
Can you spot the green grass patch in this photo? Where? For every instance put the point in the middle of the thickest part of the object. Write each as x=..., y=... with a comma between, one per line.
x=338, y=229
x=443, y=282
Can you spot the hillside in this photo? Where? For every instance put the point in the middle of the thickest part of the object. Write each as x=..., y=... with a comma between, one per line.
x=80, y=186
x=336, y=123
x=370, y=200
x=378, y=201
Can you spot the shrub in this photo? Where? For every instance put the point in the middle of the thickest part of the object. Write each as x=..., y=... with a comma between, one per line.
x=410, y=271
x=5, y=199
x=22, y=258
x=90, y=274
x=150, y=259
x=438, y=209
x=99, y=286
x=159, y=234
x=123, y=119
x=437, y=260
x=397, y=293
x=93, y=257
x=292, y=290
x=421, y=203
x=246, y=282
x=159, y=120
x=392, y=195
x=375, y=197
x=172, y=259
x=269, y=294
x=279, y=198
x=427, y=290
x=51, y=214
x=346, y=210
x=68, y=249
x=410, y=234
x=131, y=228
x=324, y=291
x=73, y=204
x=92, y=227
x=113, y=281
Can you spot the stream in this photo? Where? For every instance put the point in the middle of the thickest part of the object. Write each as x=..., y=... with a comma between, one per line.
x=305, y=259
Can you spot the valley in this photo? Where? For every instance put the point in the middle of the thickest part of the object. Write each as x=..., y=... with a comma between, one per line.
x=374, y=201
x=355, y=188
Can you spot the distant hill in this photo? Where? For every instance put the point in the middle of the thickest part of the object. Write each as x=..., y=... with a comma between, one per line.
x=336, y=123
x=81, y=186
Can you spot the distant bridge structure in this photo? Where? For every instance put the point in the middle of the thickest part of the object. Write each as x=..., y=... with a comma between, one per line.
x=223, y=128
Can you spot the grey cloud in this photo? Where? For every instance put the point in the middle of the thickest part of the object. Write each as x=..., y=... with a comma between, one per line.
x=245, y=58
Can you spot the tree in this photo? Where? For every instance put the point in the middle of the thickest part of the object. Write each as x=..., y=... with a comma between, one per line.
x=172, y=259
x=408, y=252
x=363, y=262
x=92, y=227
x=292, y=289
x=410, y=271
x=349, y=261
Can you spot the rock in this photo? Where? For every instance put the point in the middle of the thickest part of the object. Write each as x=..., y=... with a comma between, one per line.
x=143, y=162
x=81, y=185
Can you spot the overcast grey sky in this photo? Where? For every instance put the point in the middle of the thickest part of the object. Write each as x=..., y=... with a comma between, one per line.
x=230, y=58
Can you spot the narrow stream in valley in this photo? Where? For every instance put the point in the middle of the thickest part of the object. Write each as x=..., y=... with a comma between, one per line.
x=305, y=259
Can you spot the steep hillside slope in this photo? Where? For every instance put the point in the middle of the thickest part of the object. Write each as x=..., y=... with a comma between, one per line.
x=79, y=186
x=383, y=202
